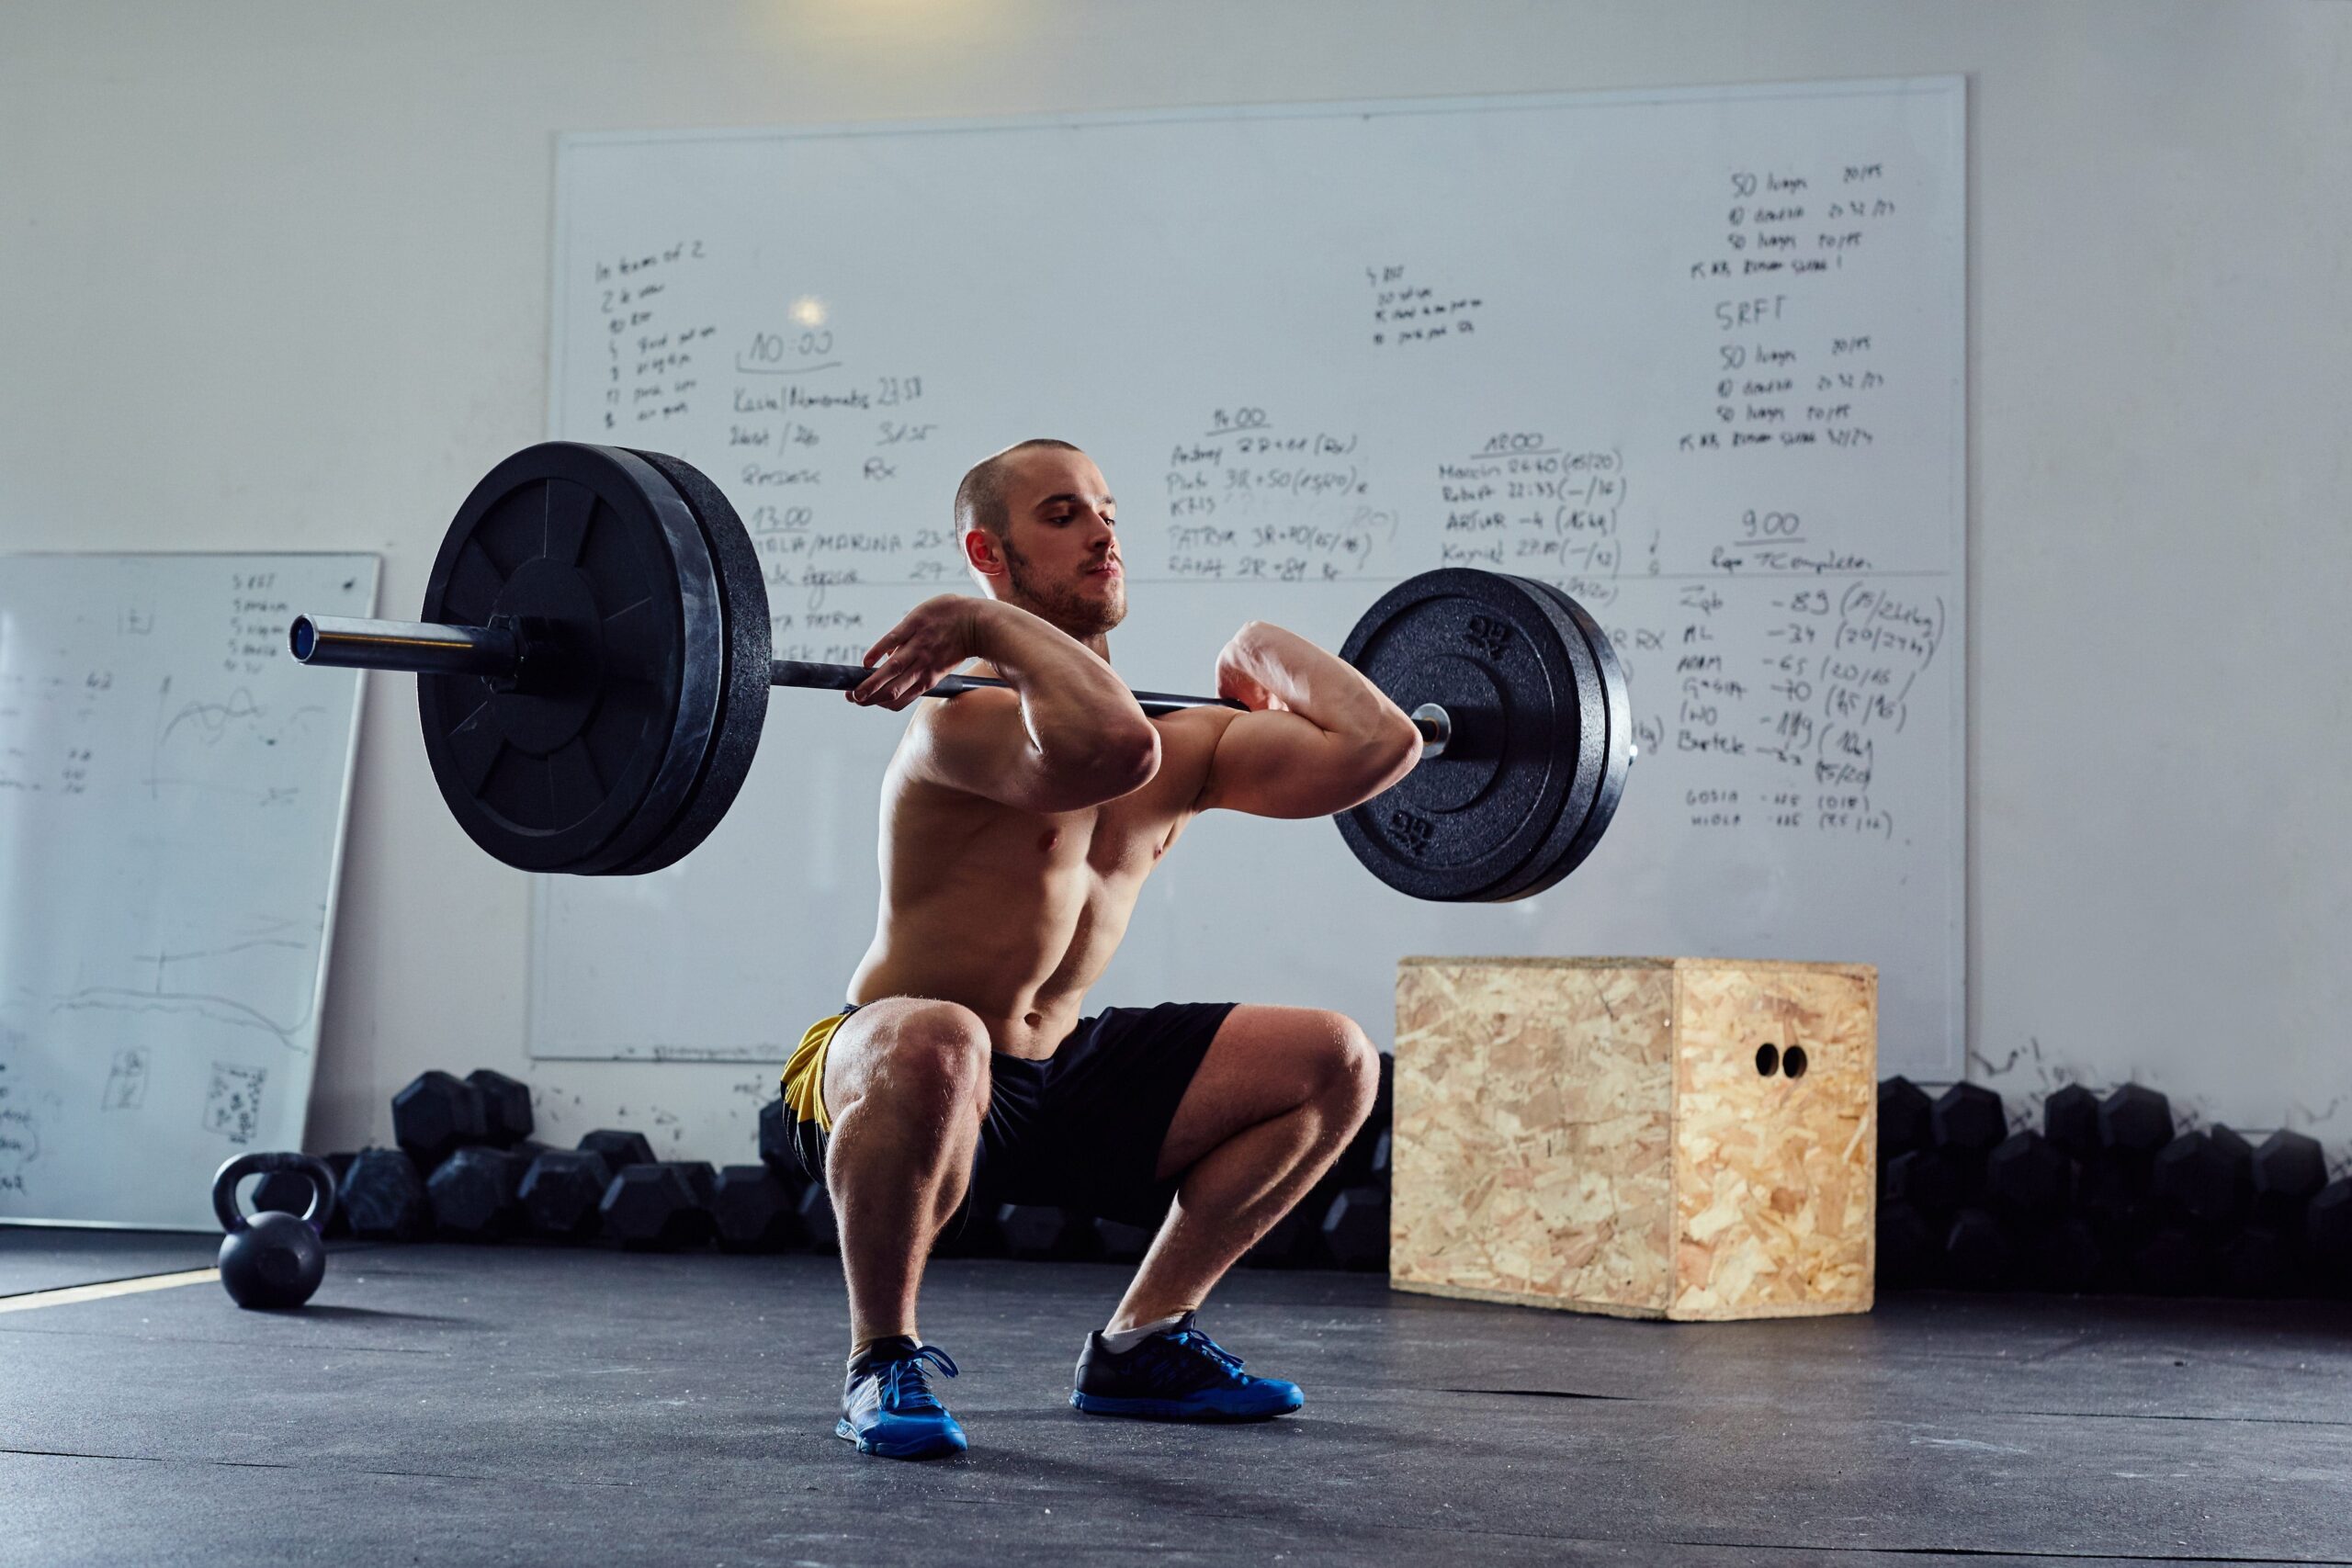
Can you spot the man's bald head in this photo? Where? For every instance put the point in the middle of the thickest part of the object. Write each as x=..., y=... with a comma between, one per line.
x=979, y=500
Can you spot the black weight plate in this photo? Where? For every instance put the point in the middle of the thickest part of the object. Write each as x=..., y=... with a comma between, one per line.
x=1617, y=756
x=1467, y=824
x=1603, y=750
x=595, y=548
x=748, y=648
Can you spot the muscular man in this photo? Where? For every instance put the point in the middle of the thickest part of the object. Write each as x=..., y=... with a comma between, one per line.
x=1017, y=829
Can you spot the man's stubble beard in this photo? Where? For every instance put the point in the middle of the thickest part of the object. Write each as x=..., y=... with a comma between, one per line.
x=1061, y=605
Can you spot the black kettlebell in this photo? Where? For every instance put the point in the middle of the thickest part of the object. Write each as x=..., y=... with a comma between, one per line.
x=273, y=1259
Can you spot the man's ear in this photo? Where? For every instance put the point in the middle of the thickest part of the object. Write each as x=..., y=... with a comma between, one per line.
x=980, y=552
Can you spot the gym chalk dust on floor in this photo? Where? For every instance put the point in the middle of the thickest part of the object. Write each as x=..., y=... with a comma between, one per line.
x=446, y=1404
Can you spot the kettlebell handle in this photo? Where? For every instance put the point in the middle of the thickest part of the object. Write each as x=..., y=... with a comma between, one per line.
x=239, y=1166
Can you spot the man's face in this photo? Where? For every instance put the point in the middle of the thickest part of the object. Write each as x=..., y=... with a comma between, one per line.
x=1061, y=550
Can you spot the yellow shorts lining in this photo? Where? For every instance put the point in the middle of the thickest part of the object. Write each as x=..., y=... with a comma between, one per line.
x=804, y=1072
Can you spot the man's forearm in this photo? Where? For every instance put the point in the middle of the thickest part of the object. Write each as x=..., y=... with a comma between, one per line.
x=1319, y=687
x=1074, y=703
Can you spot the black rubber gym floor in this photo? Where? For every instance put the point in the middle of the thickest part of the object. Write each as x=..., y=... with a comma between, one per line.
x=444, y=1404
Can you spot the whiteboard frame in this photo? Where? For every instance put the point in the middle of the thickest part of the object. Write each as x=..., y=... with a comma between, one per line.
x=1952, y=1059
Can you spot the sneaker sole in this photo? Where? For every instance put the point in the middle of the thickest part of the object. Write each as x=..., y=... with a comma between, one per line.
x=937, y=1446
x=1177, y=1410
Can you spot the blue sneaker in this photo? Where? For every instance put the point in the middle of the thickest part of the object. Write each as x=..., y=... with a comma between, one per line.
x=887, y=1407
x=1178, y=1374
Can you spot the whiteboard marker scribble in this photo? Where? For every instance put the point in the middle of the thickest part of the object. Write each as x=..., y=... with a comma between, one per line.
x=233, y=1101
x=126, y=1080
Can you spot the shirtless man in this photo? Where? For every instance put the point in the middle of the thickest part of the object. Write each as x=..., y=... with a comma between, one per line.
x=1017, y=829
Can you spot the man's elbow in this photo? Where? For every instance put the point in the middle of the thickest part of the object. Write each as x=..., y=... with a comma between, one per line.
x=1129, y=760
x=1115, y=763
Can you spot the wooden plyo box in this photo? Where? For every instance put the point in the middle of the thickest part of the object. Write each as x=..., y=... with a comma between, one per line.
x=1596, y=1135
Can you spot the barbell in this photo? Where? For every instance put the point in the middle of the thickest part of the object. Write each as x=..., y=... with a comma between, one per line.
x=594, y=662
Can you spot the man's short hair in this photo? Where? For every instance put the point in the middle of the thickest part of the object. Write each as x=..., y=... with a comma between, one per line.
x=979, y=500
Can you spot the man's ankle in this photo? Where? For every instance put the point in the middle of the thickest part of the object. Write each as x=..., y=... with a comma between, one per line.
x=1119, y=1339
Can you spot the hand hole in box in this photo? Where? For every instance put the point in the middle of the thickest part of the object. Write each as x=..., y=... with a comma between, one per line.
x=1767, y=1057
x=1792, y=1061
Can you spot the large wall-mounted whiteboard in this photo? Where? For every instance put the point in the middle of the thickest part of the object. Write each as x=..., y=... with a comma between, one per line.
x=173, y=791
x=1698, y=355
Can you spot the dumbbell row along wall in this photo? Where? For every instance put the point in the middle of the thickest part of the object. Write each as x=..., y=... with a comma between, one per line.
x=466, y=1169
x=2105, y=1194
x=2102, y=1193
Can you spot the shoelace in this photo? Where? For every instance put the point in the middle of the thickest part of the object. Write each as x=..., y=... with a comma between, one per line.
x=906, y=1383
x=1194, y=1339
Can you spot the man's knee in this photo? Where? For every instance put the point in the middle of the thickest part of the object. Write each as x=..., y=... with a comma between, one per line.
x=927, y=1056
x=1347, y=1066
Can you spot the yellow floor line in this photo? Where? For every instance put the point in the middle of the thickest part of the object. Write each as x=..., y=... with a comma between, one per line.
x=32, y=1299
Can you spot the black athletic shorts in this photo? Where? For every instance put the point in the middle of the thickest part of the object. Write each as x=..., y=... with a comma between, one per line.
x=1082, y=1128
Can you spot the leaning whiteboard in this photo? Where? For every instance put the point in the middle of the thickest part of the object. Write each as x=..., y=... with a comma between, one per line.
x=173, y=788
x=1698, y=357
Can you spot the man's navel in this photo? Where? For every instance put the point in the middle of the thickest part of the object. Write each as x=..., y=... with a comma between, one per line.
x=1048, y=838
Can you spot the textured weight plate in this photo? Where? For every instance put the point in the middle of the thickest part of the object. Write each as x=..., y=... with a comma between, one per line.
x=1603, y=746
x=592, y=548
x=748, y=649
x=1471, y=823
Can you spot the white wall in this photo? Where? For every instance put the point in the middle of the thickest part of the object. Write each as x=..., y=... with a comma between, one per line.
x=275, y=276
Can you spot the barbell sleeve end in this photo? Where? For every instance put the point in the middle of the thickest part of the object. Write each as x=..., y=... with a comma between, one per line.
x=419, y=647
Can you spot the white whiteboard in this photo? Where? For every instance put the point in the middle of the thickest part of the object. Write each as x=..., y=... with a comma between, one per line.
x=173, y=789
x=1697, y=356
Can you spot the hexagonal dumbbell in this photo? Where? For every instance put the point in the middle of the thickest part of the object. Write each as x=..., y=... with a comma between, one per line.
x=505, y=1105
x=618, y=1149
x=1291, y=1241
x=561, y=1193
x=2174, y=1261
x=1934, y=1182
x=2028, y=1176
x=753, y=1212
x=702, y=1178
x=2067, y=1256
x=1910, y=1254
x=437, y=1114
x=1038, y=1230
x=1968, y=1117
x=2070, y=1121
x=2286, y=1173
x=2258, y=1261
x=775, y=1145
x=1355, y=1229
x=815, y=1207
x=384, y=1197
x=1903, y=1120
x=972, y=1233
x=2203, y=1176
x=2135, y=1121
x=1978, y=1252
x=1122, y=1242
x=653, y=1208
x=473, y=1194
x=2327, y=1236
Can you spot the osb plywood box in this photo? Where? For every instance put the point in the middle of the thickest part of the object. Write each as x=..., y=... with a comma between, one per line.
x=1647, y=1137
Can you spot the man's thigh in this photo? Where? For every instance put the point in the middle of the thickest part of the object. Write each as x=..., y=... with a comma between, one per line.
x=1264, y=1062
